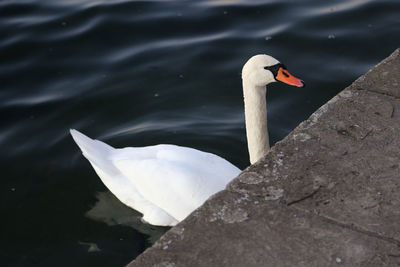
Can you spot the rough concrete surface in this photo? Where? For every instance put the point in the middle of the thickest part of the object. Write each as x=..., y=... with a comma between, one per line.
x=326, y=195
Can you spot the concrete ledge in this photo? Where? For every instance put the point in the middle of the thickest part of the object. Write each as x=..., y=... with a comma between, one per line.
x=326, y=195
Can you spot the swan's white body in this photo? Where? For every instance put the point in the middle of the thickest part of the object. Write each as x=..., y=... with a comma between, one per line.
x=167, y=182
x=163, y=182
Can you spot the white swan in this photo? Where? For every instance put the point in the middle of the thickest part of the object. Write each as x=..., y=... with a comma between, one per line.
x=167, y=182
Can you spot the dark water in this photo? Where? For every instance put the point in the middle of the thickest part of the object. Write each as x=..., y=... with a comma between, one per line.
x=136, y=73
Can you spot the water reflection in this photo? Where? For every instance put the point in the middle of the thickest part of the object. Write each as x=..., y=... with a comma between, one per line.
x=110, y=210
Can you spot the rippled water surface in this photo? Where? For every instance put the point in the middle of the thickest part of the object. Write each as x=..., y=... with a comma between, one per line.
x=137, y=73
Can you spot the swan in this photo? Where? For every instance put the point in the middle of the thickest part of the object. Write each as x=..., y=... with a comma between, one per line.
x=167, y=182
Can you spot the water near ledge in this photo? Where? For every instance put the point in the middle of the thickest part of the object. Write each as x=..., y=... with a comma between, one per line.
x=146, y=72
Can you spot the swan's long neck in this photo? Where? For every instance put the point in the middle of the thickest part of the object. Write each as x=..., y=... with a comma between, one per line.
x=255, y=108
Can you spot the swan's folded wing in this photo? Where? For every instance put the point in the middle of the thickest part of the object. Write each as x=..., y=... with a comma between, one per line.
x=176, y=179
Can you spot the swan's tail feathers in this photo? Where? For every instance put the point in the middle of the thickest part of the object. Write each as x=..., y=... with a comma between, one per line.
x=88, y=145
x=95, y=151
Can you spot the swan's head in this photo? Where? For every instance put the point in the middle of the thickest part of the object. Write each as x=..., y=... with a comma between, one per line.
x=261, y=70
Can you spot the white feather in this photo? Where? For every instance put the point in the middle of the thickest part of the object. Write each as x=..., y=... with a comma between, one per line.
x=164, y=182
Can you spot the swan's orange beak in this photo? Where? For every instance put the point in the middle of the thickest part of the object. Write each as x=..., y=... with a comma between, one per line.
x=284, y=76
